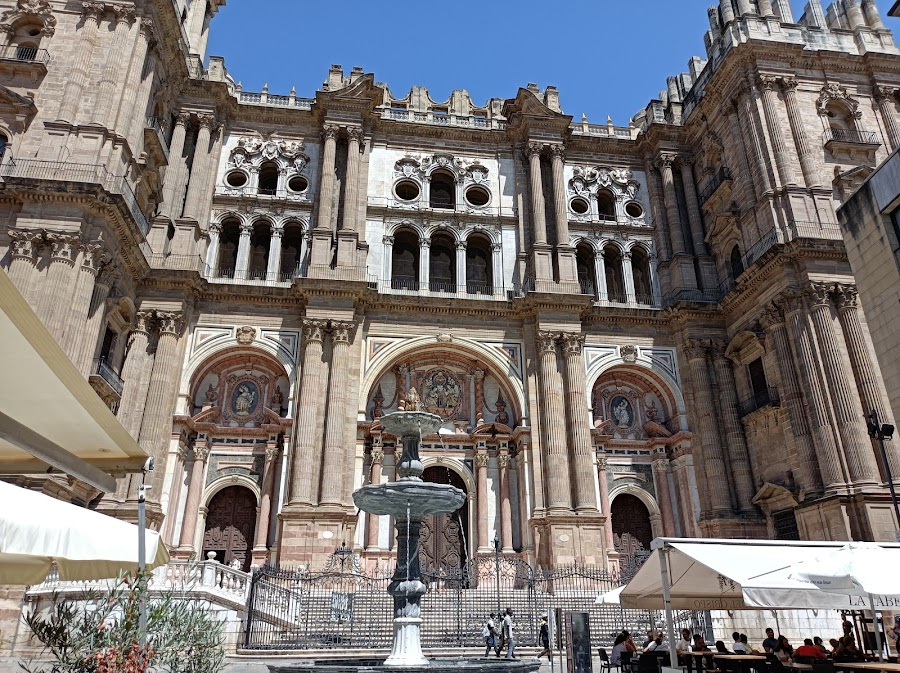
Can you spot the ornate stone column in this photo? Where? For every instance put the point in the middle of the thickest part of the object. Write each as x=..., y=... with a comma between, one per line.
x=505, y=509
x=83, y=59
x=372, y=520
x=304, y=467
x=176, y=173
x=521, y=467
x=628, y=278
x=481, y=496
x=337, y=418
x=354, y=135
x=743, y=176
x=604, y=502
x=112, y=76
x=92, y=257
x=770, y=110
x=847, y=410
x=174, y=499
x=326, y=188
x=864, y=371
x=772, y=320
x=557, y=470
x=57, y=288
x=260, y=549
x=676, y=232
x=127, y=110
x=661, y=477
x=242, y=259
x=194, y=207
x=156, y=426
x=460, y=267
x=424, y=264
x=727, y=12
x=806, y=362
x=765, y=8
x=23, y=251
x=192, y=507
x=808, y=162
x=693, y=206
x=885, y=96
x=710, y=458
x=84, y=347
x=135, y=373
x=539, y=220
x=273, y=272
x=736, y=442
x=747, y=115
x=600, y=272
x=579, y=432
x=565, y=253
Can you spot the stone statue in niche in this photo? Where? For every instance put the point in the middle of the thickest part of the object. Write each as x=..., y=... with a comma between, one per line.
x=502, y=416
x=622, y=412
x=442, y=393
x=245, y=399
x=412, y=401
x=211, y=395
x=277, y=399
x=378, y=403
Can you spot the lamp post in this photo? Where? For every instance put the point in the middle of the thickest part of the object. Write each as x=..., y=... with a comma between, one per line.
x=142, y=551
x=881, y=432
x=497, y=568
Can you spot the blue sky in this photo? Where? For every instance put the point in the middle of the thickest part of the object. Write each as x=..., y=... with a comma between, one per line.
x=607, y=57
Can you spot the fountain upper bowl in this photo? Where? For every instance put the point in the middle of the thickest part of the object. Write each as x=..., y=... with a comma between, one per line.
x=421, y=497
x=411, y=423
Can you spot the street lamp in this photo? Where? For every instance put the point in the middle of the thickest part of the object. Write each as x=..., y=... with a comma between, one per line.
x=881, y=432
x=497, y=568
x=142, y=550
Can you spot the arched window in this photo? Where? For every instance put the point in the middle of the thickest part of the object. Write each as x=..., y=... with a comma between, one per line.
x=606, y=205
x=737, y=264
x=229, y=240
x=584, y=262
x=260, y=241
x=442, y=190
x=615, y=280
x=479, y=271
x=442, y=263
x=405, y=261
x=27, y=39
x=268, y=179
x=291, y=251
x=640, y=269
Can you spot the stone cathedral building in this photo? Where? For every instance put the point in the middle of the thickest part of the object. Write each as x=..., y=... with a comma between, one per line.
x=629, y=331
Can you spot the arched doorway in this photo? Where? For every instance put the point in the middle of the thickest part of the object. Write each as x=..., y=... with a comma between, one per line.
x=230, y=526
x=632, y=531
x=444, y=537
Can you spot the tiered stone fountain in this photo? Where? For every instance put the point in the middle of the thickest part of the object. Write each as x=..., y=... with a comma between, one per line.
x=409, y=500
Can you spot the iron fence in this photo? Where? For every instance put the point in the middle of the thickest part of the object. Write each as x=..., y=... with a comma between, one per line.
x=340, y=608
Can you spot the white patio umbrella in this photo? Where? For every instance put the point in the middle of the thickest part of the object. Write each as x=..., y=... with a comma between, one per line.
x=858, y=569
x=613, y=597
x=37, y=531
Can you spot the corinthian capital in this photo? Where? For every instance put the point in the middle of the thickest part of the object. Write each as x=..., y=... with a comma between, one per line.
x=534, y=148
x=142, y=321
x=93, y=10
x=93, y=257
x=665, y=160
x=201, y=452
x=767, y=82
x=558, y=150
x=314, y=330
x=64, y=247
x=547, y=342
x=771, y=316
x=208, y=122
x=481, y=460
x=788, y=83
x=819, y=293
x=846, y=297
x=696, y=349
x=123, y=13
x=342, y=332
x=355, y=133
x=884, y=93
x=170, y=322
x=330, y=131
x=572, y=344
x=25, y=243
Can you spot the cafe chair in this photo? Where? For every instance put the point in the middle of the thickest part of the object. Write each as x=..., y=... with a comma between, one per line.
x=605, y=665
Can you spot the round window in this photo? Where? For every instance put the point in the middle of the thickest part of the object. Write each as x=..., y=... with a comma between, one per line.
x=407, y=190
x=34, y=32
x=236, y=179
x=579, y=206
x=634, y=209
x=478, y=196
x=298, y=184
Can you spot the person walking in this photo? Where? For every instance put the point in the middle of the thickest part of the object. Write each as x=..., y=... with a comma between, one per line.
x=509, y=631
x=544, y=637
x=489, y=633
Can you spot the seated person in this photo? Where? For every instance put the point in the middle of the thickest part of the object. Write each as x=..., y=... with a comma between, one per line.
x=783, y=650
x=720, y=648
x=848, y=651
x=746, y=644
x=737, y=645
x=700, y=647
x=819, y=644
x=770, y=642
x=657, y=645
x=808, y=652
x=650, y=636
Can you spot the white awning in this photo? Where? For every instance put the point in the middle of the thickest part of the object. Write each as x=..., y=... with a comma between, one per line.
x=710, y=574
x=50, y=416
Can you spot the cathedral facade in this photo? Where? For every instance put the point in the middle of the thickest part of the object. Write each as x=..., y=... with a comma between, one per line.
x=628, y=331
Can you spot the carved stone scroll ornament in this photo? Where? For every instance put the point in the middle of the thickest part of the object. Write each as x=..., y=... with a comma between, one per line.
x=30, y=9
x=246, y=335
x=832, y=92
x=289, y=155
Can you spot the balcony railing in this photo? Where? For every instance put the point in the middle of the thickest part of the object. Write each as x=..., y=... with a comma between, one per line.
x=25, y=54
x=825, y=230
x=764, y=398
x=265, y=98
x=108, y=374
x=851, y=136
x=155, y=125
x=724, y=175
x=438, y=119
x=760, y=248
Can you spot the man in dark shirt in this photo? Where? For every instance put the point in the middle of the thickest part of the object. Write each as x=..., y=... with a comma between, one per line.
x=770, y=642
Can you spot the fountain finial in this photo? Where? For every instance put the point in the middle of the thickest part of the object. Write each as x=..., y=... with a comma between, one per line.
x=412, y=401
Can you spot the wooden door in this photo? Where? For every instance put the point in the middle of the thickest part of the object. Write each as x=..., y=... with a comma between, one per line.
x=230, y=526
x=444, y=538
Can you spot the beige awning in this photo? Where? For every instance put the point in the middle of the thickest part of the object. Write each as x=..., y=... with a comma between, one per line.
x=50, y=417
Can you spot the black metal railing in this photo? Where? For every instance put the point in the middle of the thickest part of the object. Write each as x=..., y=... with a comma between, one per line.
x=105, y=371
x=24, y=54
x=158, y=125
x=717, y=181
x=767, y=397
x=824, y=230
x=852, y=136
x=760, y=248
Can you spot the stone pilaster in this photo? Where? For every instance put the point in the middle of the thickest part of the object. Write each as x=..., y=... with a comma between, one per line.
x=156, y=426
x=128, y=111
x=202, y=171
x=693, y=206
x=186, y=542
x=579, y=433
x=542, y=266
x=736, y=442
x=565, y=254
x=338, y=455
x=174, y=498
x=86, y=345
x=76, y=324
x=805, y=153
x=112, y=76
x=273, y=271
x=770, y=111
x=682, y=270
x=260, y=549
x=481, y=498
x=711, y=459
x=242, y=258
x=604, y=503
x=848, y=413
x=553, y=427
x=347, y=234
x=304, y=461
x=92, y=12
x=56, y=291
x=321, y=253
x=136, y=373
x=806, y=365
x=373, y=520
x=886, y=97
x=23, y=251
x=176, y=173
x=505, y=508
x=661, y=478
x=805, y=470
x=747, y=117
x=864, y=372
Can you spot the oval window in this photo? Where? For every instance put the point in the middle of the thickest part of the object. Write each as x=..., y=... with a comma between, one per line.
x=236, y=179
x=478, y=196
x=579, y=206
x=634, y=209
x=407, y=190
x=298, y=184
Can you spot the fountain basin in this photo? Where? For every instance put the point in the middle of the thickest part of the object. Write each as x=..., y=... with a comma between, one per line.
x=421, y=497
x=474, y=665
x=411, y=423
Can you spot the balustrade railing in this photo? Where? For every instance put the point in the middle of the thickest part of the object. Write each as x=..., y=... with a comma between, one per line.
x=265, y=98
x=443, y=119
x=717, y=181
x=105, y=371
x=760, y=248
x=24, y=54
x=158, y=125
x=852, y=136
